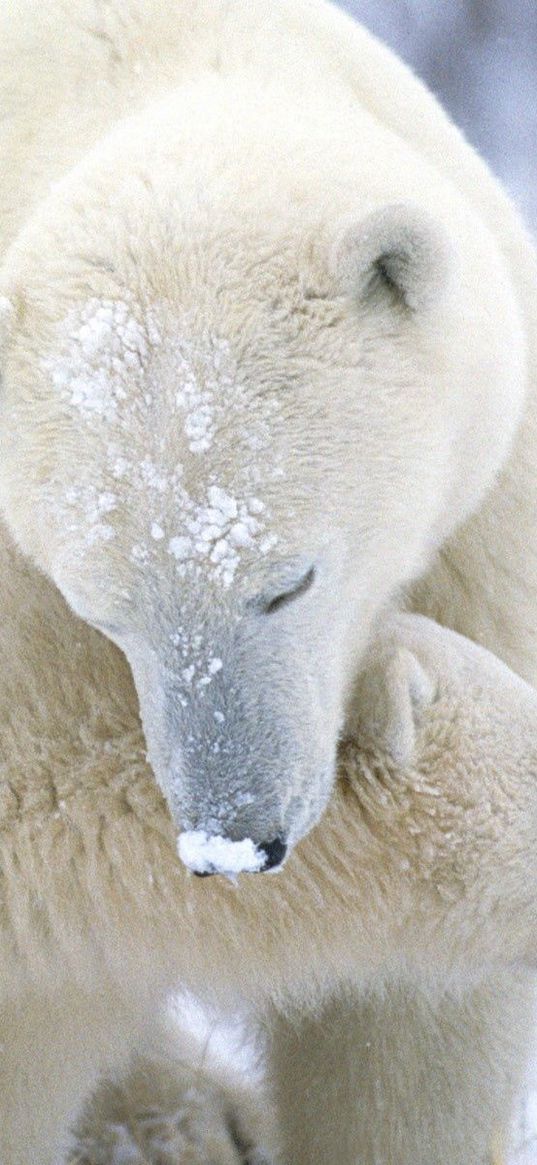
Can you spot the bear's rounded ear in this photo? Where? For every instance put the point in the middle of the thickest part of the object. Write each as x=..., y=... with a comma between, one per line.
x=390, y=700
x=401, y=248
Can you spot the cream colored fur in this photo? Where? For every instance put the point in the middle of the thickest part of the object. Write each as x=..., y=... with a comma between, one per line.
x=415, y=894
x=419, y=885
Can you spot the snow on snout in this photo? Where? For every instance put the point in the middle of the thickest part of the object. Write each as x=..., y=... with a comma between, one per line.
x=203, y=854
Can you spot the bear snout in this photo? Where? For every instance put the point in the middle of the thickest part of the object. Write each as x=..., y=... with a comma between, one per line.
x=204, y=854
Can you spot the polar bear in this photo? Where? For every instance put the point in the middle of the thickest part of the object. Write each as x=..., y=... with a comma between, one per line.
x=416, y=890
x=263, y=380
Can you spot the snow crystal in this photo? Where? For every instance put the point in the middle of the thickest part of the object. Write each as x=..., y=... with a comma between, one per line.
x=222, y=502
x=140, y=554
x=153, y=476
x=201, y=378
x=106, y=502
x=83, y=507
x=218, y=530
x=103, y=345
x=119, y=466
x=213, y=665
x=218, y=855
x=103, y=363
x=180, y=548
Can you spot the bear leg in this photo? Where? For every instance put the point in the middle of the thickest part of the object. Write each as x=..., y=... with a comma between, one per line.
x=399, y=1077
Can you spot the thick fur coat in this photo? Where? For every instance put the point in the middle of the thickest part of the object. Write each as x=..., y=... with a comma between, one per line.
x=264, y=378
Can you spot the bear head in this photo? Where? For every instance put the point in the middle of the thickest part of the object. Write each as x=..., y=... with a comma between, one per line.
x=241, y=408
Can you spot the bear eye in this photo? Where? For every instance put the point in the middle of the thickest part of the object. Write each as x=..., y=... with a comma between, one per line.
x=290, y=595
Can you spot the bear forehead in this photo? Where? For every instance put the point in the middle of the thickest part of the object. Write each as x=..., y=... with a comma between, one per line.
x=166, y=413
x=103, y=357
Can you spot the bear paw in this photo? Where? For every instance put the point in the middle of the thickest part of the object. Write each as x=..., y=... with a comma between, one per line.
x=154, y=1120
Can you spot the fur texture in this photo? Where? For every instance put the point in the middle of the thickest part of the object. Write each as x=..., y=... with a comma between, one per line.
x=223, y=377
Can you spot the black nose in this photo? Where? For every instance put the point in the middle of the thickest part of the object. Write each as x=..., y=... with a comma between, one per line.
x=275, y=852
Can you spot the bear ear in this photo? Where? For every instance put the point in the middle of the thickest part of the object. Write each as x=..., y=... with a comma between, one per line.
x=399, y=248
x=390, y=699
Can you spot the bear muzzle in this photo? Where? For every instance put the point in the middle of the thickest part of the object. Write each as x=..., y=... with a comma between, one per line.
x=205, y=854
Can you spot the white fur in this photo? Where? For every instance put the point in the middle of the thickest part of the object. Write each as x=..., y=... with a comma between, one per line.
x=268, y=360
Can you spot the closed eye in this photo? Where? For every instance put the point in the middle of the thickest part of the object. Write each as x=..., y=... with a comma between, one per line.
x=293, y=593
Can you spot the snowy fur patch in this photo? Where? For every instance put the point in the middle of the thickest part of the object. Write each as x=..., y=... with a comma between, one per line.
x=218, y=530
x=89, y=505
x=103, y=346
x=166, y=400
